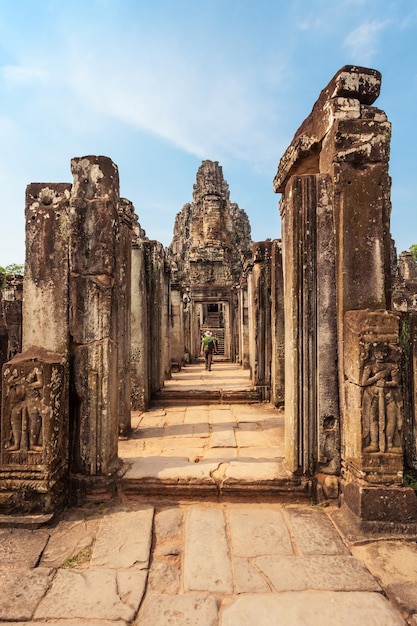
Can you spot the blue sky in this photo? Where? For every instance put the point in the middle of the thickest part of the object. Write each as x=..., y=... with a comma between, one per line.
x=160, y=85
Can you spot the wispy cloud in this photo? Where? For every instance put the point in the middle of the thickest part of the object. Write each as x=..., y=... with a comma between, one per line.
x=362, y=43
x=23, y=75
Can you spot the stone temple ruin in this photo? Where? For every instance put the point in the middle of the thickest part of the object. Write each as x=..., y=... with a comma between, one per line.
x=324, y=319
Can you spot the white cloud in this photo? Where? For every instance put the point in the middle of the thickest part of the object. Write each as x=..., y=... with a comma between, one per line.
x=23, y=75
x=362, y=42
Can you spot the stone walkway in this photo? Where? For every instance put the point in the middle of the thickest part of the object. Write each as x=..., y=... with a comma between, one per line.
x=165, y=560
x=204, y=564
x=205, y=448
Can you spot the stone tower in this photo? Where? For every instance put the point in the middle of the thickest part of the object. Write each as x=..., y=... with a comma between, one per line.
x=211, y=237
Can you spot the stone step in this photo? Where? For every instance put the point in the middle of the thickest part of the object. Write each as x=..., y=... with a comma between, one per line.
x=168, y=397
x=237, y=481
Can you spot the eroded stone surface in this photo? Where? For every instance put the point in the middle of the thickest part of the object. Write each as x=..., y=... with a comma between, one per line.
x=21, y=548
x=322, y=607
x=93, y=594
x=21, y=590
x=258, y=531
x=314, y=533
x=333, y=573
x=207, y=565
x=124, y=539
x=195, y=609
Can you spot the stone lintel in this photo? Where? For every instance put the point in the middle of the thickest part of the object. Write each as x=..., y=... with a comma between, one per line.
x=347, y=96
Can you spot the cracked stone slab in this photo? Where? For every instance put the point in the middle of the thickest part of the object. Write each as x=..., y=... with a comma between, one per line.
x=124, y=539
x=21, y=590
x=207, y=565
x=258, y=531
x=93, y=594
x=331, y=573
x=193, y=609
x=70, y=539
x=320, y=607
x=314, y=532
x=22, y=548
x=247, y=578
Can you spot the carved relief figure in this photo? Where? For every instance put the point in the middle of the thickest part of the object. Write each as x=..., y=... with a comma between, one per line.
x=381, y=403
x=34, y=406
x=24, y=395
x=16, y=395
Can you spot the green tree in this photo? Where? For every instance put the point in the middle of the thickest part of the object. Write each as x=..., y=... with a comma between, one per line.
x=8, y=270
x=413, y=250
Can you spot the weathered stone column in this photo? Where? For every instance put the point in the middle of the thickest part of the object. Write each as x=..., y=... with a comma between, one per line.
x=35, y=396
x=45, y=285
x=344, y=144
x=139, y=364
x=123, y=285
x=261, y=303
x=94, y=314
x=277, y=326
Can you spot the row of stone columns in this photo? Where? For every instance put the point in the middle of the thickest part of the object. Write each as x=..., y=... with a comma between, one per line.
x=67, y=395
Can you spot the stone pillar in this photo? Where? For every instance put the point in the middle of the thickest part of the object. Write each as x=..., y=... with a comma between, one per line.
x=261, y=286
x=180, y=306
x=94, y=314
x=139, y=365
x=243, y=323
x=338, y=160
x=123, y=285
x=156, y=300
x=34, y=433
x=277, y=326
x=45, y=285
x=311, y=390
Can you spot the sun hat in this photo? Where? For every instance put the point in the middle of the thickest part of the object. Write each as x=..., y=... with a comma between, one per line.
x=208, y=333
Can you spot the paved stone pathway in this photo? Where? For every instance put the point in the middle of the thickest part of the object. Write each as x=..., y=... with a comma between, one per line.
x=167, y=561
x=219, y=447
x=203, y=564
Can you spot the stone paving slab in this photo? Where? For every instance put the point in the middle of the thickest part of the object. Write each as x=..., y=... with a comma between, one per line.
x=21, y=548
x=70, y=539
x=167, y=610
x=207, y=565
x=248, y=578
x=124, y=539
x=258, y=531
x=331, y=573
x=94, y=594
x=21, y=590
x=318, y=608
x=314, y=532
x=222, y=437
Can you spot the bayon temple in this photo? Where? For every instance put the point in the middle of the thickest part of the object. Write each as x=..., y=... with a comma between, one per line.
x=323, y=318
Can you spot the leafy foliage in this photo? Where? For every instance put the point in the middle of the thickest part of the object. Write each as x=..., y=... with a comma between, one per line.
x=413, y=250
x=8, y=270
x=13, y=268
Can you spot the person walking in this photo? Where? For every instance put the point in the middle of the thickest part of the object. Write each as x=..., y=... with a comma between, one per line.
x=208, y=347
